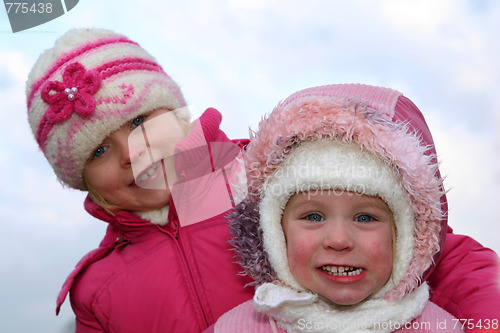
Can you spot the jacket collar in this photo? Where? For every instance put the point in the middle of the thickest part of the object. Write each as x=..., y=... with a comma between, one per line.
x=125, y=223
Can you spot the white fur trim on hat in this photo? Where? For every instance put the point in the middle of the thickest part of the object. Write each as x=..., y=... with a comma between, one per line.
x=329, y=165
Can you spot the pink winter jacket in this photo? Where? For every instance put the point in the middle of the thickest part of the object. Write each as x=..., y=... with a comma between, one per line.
x=150, y=278
x=466, y=283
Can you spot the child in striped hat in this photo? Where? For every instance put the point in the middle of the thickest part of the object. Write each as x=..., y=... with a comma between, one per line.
x=97, y=104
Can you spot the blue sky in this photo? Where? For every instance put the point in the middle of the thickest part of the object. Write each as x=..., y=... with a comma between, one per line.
x=242, y=57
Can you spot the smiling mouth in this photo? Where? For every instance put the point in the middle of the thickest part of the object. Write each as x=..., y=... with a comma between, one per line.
x=145, y=175
x=342, y=270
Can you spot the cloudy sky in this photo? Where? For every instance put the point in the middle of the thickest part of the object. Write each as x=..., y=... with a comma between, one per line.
x=242, y=57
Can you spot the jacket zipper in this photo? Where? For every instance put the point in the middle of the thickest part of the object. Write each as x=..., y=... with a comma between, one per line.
x=176, y=233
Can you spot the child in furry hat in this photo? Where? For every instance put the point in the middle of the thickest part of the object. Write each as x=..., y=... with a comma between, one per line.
x=345, y=217
x=96, y=101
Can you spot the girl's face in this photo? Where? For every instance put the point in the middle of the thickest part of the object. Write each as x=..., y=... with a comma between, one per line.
x=339, y=244
x=109, y=170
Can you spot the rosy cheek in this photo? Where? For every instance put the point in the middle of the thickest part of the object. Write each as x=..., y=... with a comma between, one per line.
x=299, y=254
x=380, y=248
x=380, y=253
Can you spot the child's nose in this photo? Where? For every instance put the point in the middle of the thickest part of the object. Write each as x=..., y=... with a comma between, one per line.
x=122, y=142
x=125, y=160
x=137, y=146
x=339, y=236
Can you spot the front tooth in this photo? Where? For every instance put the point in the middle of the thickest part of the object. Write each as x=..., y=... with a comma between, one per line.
x=141, y=178
x=148, y=173
x=342, y=270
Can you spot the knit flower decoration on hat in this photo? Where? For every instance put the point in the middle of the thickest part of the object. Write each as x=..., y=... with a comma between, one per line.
x=74, y=94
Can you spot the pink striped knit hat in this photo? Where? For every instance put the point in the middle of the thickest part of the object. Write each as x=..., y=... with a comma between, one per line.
x=87, y=86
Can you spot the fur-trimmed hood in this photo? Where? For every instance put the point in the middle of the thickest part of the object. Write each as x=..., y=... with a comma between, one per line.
x=382, y=122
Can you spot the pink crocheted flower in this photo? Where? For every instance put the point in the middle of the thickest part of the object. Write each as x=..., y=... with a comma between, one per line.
x=75, y=93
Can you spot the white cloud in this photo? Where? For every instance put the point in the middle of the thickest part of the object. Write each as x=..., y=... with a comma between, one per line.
x=14, y=64
x=420, y=19
x=470, y=78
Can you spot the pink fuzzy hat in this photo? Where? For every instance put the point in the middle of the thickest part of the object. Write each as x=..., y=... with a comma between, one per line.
x=86, y=87
x=388, y=130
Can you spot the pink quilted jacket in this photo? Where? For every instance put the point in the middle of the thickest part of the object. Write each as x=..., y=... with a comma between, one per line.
x=150, y=278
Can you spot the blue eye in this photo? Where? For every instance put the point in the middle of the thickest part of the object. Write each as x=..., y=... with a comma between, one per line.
x=364, y=219
x=99, y=151
x=137, y=121
x=314, y=217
